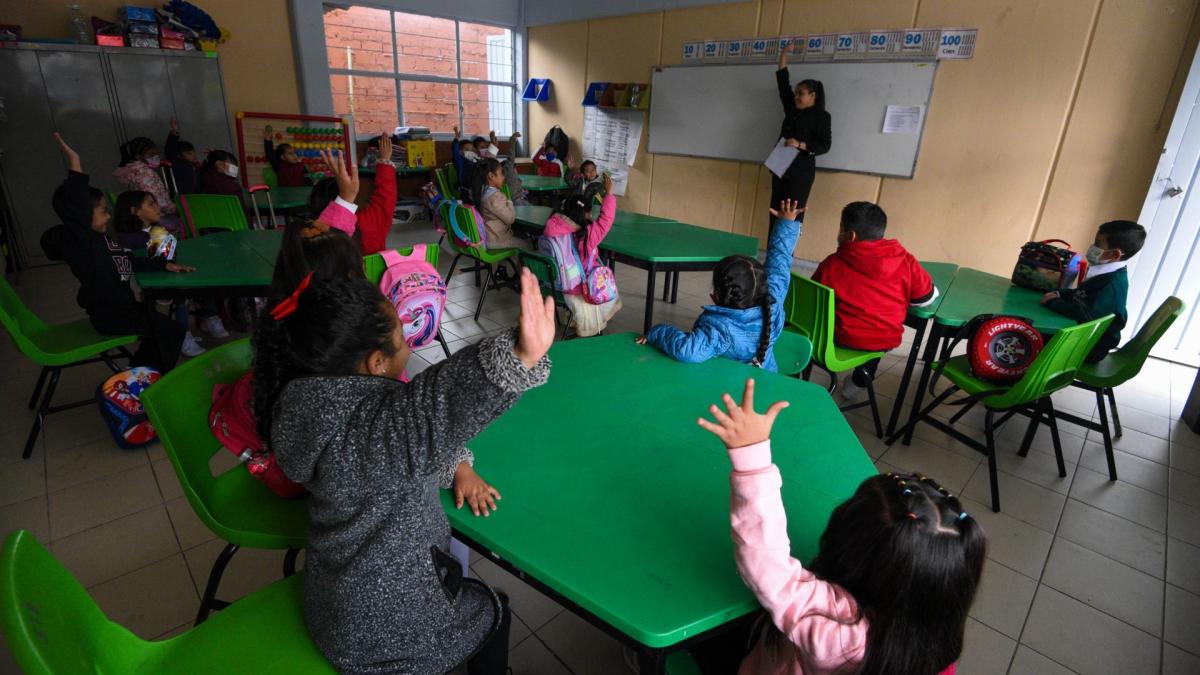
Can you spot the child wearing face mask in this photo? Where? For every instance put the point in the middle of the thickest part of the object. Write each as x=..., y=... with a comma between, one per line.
x=1106, y=287
x=219, y=175
x=139, y=170
x=548, y=162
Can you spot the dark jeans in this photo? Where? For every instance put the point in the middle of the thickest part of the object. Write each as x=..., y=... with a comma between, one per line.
x=161, y=335
x=492, y=657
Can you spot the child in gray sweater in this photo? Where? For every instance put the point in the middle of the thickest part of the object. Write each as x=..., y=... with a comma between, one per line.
x=382, y=595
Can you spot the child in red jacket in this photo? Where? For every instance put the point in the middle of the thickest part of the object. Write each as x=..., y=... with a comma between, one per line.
x=875, y=281
x=374, y=221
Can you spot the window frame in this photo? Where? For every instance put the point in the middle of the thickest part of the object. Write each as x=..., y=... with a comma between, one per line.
x=399, y=77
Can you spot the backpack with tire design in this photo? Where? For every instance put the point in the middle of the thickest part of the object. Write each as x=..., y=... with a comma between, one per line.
x=1000, y=348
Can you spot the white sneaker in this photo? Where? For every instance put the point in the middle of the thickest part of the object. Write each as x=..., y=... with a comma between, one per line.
x=191, y=347
x=214, y=327
x=851, y=393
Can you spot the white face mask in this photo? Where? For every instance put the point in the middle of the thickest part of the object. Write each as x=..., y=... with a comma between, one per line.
x=153, y=161
x=1093, y=255
x=471, y=155
x=231, y=170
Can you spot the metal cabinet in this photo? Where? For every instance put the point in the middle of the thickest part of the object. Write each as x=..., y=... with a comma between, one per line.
x=97, y=98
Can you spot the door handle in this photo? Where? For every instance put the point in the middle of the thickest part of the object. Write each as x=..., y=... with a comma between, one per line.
x=1174, y=191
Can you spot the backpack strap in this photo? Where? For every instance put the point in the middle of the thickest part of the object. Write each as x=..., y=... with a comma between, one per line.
x=390, y=256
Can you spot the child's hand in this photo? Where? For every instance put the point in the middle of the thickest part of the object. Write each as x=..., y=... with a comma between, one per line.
x=1052, y=295
x=536, y=332
x=73, y=162
x=457, y=134
x=385, y=146
x=742, y=426
x=174, y=126
x=516, y=134
x=792, y=143
x=176, y=267
x=608, y=184
x=474, y=490
x=268, y=133
x=492, y=136
x=788, y=210
x=641, y=339
x=347, y=179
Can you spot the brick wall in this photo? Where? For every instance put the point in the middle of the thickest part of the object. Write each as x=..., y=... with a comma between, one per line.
x=361, y=38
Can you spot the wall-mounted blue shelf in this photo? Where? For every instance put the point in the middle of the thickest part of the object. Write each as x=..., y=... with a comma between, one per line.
x=538, y=90
x=595, y=94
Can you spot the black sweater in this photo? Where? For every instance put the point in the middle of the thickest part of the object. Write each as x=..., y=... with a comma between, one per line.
x=809, y=126
x=102, y=266
x=187, y=174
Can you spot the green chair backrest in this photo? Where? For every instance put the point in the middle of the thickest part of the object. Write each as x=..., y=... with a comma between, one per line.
x=466, y=221
x=270, y=178
x=1133, y=355
x=1055, y=366
x=178, y=407
x=507, y=191
x=443, y=185
x=546, y=272
x=451, y=177
x=50, y=623
x=20, y=323
x=809, y=307
x=446, y=211
x=218, y=212
x=374, y=267
x=112, y=198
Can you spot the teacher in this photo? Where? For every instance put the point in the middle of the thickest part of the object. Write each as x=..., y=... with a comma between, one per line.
x=806, y=127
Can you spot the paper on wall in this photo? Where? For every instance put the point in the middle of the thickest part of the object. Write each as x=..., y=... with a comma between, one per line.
x=619, y=173
x=781, y=158
x=612, y=136
x=902, y=119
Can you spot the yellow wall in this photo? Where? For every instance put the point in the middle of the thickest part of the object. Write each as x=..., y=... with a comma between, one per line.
x=257, y=63
x=1053, y=127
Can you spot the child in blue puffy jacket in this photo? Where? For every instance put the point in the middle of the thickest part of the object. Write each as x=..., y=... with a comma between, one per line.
x=748, y=315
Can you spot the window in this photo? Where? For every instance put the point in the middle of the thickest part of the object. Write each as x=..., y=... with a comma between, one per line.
x=393, y=68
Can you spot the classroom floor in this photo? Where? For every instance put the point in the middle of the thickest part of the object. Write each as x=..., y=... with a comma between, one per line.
x=1084, y=575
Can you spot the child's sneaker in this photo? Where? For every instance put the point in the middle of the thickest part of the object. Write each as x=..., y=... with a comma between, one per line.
x=190, y=346
x=214, y=327
x=851, y=393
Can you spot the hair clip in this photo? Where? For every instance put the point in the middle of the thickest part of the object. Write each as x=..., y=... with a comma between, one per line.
x=962, y=516
x=314, y=229
x=912, y=515
x=907, y=491
x=290, y=303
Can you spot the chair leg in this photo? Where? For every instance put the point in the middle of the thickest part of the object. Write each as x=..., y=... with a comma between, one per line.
x=1030, y=432
x=289, y=562
x=39, y=418
x=874, y=408
x=209, y=602
x=993, y=475
x=1108, y=441
x=483, y=295
x=442, y=341
x=453, y=264
x=37, y=389
x=807, y=372
x=1048, y=406
x=1112, y=400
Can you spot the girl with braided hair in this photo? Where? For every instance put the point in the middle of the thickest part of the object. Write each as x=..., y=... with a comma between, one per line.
x=747, y=315
x=889, y=589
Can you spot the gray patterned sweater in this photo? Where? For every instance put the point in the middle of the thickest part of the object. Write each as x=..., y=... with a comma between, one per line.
x=371, y=451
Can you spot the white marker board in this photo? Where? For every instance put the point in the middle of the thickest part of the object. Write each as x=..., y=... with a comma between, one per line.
x=733, y=112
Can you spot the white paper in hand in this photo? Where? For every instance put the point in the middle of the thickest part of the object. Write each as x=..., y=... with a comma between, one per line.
x=781, y=158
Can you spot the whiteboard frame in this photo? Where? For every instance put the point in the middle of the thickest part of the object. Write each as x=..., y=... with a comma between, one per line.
x=920, y=135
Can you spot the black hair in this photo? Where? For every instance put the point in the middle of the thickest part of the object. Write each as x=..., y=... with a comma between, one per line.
x=132, y=149
x=184, y=146
x=903, y=547
x=577, y=207
x=329, y=255
x=586, y=163
x=62, y=207
x=479, y=174
x=323, y=192
x=466, y=141
x=337, y=323
x=284, y=147
x=740, y=282
x=214, y=156
x=817, y=88
x=124, y=219
x=479, y=139
x=1125, y=235
x=866, y=220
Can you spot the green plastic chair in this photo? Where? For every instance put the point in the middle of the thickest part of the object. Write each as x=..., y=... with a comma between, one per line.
x=1116, y=369
x=486, y=258
x=793, y=352
x=449, y=190
x=374, y=267
x=235, y=506
x=54, y=348
x=452, y=179
x=1054, y=368
x=269, y=177
x=211, y=212
x=52, y=626
x=546, y=271
x=809, y=308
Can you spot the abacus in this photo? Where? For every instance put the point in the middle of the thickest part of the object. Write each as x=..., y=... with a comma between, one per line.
x=299, y=131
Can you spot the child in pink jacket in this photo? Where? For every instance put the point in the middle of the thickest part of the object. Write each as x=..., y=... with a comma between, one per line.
x=574, y=217
x=890, y=587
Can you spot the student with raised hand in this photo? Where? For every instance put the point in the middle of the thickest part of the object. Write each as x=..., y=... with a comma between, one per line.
x=889, y=590
x=747, y=314
x=373, y=222
x=382, y=594
x=105, y=268
x=807, y=127
x=497, y=209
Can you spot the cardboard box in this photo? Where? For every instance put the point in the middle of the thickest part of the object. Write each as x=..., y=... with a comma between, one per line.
x=171, y=38
x=421, y=152
x=110, y=40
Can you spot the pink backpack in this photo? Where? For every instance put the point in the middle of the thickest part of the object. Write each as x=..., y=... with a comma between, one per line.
x=231, y=420
x=598, y=283
x=418, y=293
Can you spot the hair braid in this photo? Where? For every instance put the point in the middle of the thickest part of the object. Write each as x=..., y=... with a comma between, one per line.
x=764, y=335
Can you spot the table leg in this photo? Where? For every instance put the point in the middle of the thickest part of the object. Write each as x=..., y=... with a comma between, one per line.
x=666, y=285
x=907, y=377
x=651, y=273
x=931, y=347
x=675, y=287
x=651, y=661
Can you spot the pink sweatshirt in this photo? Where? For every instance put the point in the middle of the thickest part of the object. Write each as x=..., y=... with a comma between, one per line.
x=589, y=243
x=137, y=175
x=818, y=618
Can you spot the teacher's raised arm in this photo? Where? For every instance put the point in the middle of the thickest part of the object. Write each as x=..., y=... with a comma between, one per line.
x=806, y=127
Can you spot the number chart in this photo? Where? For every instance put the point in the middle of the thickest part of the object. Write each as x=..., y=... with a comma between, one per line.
x=918, y=44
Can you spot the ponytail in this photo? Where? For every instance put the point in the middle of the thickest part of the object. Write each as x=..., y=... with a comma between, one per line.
x=816, y=87
x=479, y=175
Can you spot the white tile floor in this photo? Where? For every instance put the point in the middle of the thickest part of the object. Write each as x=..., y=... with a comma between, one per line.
x=1084, y=575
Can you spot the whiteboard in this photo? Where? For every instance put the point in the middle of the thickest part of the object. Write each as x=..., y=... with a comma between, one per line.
x=733, y=112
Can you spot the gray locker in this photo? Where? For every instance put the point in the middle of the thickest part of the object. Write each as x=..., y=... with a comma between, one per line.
x=97, y=98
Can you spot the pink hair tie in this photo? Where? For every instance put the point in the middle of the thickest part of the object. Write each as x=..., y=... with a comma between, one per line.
x=339, y=218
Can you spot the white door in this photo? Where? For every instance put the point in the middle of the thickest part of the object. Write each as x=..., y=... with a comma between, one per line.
x=1169, y=263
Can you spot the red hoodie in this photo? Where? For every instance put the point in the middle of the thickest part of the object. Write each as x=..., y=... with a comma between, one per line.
x=375, y=219
x=874, y=282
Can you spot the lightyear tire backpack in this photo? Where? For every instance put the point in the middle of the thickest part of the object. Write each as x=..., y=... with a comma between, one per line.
x=413, y=286
x=999, y=348
x=120, y=401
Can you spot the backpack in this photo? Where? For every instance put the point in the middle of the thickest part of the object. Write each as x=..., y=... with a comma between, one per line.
x=460, y=235
x=557, y=138
x=231, y=419
x=599, y=283
x=1044, y=267
x=999, y=348
x=120, y=401
x=418, y=293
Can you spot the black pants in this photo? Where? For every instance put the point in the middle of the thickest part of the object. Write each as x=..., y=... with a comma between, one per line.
x=796, y=182
x=162, y=336
x=492, y=657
